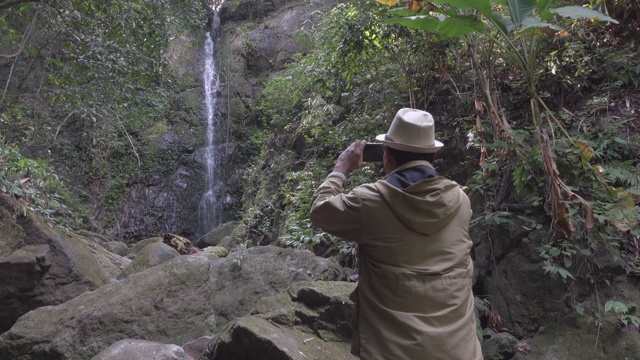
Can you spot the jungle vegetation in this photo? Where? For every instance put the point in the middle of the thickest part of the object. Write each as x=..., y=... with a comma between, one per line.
x=536, y=101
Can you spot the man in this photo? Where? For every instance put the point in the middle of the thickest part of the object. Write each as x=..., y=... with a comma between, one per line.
x=414, y=298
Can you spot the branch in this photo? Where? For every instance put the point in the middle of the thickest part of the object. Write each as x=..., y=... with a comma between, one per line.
x=26, y=35
x=65, y=120
x=6, y=87
x=128, y=137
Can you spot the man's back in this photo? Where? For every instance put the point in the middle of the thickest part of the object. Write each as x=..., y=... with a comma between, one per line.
x=414, y=294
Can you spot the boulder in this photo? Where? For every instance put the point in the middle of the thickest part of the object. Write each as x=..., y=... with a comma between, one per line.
x=253, y=337
x=137, y=247
x=310, y=321
x=117, y=247
x=41, y=265
x=215, y=236
x=131, y=349
x=151, y=255
x=180, y=300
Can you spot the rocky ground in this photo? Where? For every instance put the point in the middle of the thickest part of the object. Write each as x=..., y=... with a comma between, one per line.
x=71, y=296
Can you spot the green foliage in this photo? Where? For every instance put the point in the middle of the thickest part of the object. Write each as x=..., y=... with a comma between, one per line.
x=102, y=68
x=35, y=184
x=297, y=194
x=559, y=258
x=346, y=88
x=248, y=9
x=624, y=312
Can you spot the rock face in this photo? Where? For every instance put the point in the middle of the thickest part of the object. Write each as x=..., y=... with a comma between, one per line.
x=167, y=197
x=251, y=45
x=539, y=309
x=40, y=265
x=175, y=302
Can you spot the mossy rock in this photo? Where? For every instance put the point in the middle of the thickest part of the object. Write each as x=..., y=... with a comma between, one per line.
x=117, y=247
x=219, y=251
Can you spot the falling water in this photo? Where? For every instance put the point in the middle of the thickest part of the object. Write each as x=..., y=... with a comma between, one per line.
x=210, y=203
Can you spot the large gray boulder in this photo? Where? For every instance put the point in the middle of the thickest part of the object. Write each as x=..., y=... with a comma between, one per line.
x=176, y=302
x=310, y=321
x=41, y=265
x=253, y=337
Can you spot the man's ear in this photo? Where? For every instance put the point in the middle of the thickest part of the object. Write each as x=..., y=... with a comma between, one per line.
x=389, y=161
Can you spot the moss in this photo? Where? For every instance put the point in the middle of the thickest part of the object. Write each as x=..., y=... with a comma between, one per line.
x=218, y=251
x=157, y=130
x=85, y=261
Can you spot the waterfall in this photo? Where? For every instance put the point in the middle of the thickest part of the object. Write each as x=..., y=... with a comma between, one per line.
x=209, y=211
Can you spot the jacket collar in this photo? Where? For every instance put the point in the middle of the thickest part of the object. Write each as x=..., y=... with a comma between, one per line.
x=410, y=173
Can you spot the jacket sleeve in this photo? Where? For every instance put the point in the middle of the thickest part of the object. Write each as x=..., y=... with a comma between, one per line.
x=335, y=212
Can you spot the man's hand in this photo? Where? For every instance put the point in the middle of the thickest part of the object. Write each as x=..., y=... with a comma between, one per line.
x=351, y=158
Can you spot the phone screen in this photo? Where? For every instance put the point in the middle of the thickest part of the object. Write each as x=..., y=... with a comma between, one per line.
x=373, y=152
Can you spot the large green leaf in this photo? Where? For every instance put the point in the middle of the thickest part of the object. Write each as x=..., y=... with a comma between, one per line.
x=484, y=6
x=419, y=22
x=505, y=25
x=534, y=25
x=579, y=12
x=452, y=26
x=521, y=10
x=456, y=26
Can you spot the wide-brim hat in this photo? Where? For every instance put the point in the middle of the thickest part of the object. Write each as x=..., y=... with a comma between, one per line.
x=413, y=131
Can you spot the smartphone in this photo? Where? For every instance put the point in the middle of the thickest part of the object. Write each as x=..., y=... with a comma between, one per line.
x=373, y=152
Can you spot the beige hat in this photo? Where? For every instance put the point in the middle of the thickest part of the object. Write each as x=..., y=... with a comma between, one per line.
x=411, y=130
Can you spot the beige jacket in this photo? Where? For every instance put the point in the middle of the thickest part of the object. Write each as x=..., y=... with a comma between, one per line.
x=414, y=298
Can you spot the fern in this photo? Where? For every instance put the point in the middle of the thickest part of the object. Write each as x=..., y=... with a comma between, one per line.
x=625, y=174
